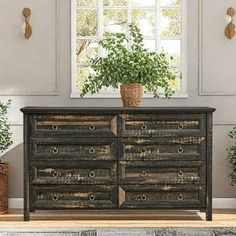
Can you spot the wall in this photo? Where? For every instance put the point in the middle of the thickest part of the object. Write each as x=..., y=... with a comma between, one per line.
x=37, y=72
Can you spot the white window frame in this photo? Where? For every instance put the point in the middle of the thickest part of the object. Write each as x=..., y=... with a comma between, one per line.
x=115, y=94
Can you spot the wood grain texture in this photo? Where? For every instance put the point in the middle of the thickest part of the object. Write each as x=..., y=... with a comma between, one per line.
x=209, y=168
x=72, y=124
x=73, y=197
x=83, y=149
x=64, y=172
x=165, y=172
x=162, y=125
x=163, y=196
x=95, y=158
x=186, y=148
x=26, y=167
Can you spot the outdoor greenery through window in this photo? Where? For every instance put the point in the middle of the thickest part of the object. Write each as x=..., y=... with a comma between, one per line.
x=160, y=21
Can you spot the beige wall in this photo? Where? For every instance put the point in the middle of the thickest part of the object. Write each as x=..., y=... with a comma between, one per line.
x=37, y=72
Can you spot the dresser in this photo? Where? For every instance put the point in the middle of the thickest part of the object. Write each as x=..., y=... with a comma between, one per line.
x=117, y=158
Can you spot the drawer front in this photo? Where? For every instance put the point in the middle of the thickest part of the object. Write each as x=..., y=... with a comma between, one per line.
x=74, y=148
x=168, y=172
x=73, y=172
x=162, y=196
x=163, y=125
x=86, y=125
x=187, y=148
x=72, y=197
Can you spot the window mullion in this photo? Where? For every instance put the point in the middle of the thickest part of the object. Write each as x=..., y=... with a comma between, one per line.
x=184, y=45
x=129, y=11
x=158, y=30
x=100, y=25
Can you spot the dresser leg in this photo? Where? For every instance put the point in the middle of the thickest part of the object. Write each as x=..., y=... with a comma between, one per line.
x=209, y=215
x=26, y=216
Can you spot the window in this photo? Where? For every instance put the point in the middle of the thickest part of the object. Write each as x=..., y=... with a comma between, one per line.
x=162, y=23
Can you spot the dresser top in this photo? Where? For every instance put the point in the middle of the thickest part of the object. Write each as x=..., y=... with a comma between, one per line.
x=117, y=110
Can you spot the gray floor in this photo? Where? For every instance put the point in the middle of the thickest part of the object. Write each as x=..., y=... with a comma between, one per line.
x=118, y=232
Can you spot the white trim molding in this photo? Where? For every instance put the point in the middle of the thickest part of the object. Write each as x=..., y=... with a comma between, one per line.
x=201, y=90
x=218, y=203
x=224, y=203
x=75, y=94
x=55, y=89
x=16, y=203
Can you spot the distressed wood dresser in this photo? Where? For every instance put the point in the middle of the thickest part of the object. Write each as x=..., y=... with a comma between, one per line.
x=117, y=158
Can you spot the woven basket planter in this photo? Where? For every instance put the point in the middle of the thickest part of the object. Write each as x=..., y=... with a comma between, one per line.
x=3, y=188
x=131, y=94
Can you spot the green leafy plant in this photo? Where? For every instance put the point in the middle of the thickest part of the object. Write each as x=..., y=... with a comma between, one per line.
x=5, y=134
x=128, y=61
x=231, y=156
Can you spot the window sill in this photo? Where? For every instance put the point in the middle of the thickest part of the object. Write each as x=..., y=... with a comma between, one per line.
x=116, y=95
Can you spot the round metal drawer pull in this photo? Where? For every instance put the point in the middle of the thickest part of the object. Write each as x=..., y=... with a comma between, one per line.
x=180, y=197
x=143, y=150
x=91, y=150
x=143, y=127
x=55, y=174
x=92, y=127
x=92, y=198
x=143, y=173
x=180, y=150
x=180, y=173
x=143, y=197
x=180, y=126
x=55, y=198
x=92, y=174
x=55, y=127
x=55, y=150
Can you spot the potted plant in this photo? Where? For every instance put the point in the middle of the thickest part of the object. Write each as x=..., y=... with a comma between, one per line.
x=131, y=66
x=5, y=142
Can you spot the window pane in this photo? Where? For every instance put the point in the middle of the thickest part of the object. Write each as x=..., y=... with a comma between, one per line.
x=86, y=2
x=150, y=45
x=173, y=48
x=170, y=2
x=115, y=20
x=114, y=2
x=86, y=49
x=170, y=22
x=145, y=19
x=143, y=3
x=176, y=84
x=82, y=74
x=86, y=22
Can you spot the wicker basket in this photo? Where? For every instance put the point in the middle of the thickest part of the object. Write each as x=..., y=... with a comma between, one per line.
x=131, y=94
x=3, y=188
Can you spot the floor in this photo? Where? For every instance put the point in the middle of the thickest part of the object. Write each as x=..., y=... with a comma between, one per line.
x=103, y=218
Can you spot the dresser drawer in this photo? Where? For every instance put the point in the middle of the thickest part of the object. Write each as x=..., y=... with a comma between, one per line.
x=74, y=148
x=72, y=197
x=73, y=172
x=154, y=172
x=186, y=148
x=162, y=125
x=162, y=196
x=68, y=124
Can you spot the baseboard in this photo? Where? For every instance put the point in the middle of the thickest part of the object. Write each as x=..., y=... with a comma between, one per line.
x=16, y=203
x=225, y=203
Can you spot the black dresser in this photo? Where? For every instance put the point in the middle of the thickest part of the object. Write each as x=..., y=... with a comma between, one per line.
x=117, y=158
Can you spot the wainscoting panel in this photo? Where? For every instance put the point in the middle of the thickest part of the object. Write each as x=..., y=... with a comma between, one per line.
x=216, y=52
x=28, y=67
